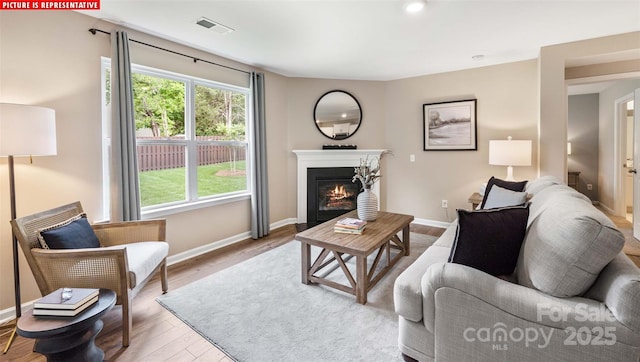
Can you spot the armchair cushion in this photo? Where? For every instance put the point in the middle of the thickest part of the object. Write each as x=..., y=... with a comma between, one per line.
x=73, y=233
x=490, y=240
x=143, y=258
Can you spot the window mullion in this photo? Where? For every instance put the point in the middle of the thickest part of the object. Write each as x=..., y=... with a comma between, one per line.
x=192, y=144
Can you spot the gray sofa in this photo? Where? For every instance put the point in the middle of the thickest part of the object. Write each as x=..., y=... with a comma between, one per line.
x=572, y=297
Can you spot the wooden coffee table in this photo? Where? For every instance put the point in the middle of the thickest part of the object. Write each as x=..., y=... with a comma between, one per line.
x=379, y=235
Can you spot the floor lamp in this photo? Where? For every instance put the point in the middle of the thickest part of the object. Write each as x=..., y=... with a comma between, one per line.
x=24, y=131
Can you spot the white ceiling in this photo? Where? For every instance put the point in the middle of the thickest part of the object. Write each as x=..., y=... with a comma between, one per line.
x=374, y=40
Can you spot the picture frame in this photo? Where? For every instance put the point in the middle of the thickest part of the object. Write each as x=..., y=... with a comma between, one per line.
x=450, y=126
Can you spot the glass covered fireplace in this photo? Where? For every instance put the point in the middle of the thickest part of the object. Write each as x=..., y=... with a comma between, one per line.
x=330, y=193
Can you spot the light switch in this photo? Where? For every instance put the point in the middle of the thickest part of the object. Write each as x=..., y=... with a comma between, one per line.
x=412, y=158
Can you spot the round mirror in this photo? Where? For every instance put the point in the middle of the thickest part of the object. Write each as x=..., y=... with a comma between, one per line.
x=337, y=114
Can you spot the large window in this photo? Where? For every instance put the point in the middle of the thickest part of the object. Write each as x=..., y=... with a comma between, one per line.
x=191, y=139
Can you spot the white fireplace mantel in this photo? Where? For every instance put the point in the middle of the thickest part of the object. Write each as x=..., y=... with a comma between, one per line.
x=327, y=158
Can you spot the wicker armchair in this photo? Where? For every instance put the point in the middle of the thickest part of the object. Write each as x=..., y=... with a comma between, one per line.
x=130, y=254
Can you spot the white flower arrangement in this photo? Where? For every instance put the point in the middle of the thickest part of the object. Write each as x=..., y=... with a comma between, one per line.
x=368, y=172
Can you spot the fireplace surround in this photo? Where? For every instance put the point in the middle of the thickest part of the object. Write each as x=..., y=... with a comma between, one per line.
x=327, y=159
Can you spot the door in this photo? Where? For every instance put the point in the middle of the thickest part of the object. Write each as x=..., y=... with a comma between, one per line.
x=636, y=158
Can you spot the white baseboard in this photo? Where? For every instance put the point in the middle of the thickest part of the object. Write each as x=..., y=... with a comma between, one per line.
x=9, y=314
x=191, y=253
x=434, y=223
x=606, y=208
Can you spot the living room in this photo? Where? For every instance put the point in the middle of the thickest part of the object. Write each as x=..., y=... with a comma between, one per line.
x=51, y=59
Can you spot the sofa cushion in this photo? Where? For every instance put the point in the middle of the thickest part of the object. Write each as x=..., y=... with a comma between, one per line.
x=539, y=184
x=501, y=197
x=74, y=233
x=407, y=291
x=509, y=185
x=490, y=240
x=568, y=243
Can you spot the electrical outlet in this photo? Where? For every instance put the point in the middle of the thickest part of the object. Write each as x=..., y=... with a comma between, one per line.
x=589, y=186
x=445, y=204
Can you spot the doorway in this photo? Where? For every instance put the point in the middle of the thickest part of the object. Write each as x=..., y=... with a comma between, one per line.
x=627, y=121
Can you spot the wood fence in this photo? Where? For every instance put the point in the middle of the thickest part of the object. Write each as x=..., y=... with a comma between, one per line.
x=161, y=157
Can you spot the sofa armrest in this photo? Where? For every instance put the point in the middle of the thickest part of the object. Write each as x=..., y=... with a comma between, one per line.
x=84, y=268
x=516, y=300
x=119, y=233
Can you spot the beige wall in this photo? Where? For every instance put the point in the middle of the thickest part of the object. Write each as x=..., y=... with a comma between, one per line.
x=553, y=93
x=392, y=119
x=303, y=93
x=507, y=106
x=51, y=59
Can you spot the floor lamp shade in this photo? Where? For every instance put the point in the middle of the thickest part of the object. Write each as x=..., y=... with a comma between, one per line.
x=24, y=131
x=510, y=153
x=27, y=130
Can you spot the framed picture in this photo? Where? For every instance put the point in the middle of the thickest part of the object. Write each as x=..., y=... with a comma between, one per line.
x=450, y=126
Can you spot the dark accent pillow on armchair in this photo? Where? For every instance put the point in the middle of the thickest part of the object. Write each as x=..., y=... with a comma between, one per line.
x=490, y=240
x=509, y=185
x=74, y=233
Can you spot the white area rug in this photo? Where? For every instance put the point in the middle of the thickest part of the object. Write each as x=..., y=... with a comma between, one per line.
x=259, y=310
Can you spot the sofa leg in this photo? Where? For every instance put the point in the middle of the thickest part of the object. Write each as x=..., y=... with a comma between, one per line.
x=408, y=359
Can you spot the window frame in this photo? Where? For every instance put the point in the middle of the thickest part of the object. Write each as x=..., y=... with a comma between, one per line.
x=190, y=142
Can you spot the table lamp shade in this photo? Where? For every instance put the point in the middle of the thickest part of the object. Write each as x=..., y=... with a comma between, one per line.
x=510, y=152
x=27, y=130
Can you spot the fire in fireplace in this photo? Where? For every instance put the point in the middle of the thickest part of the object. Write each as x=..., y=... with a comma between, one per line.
x=330, y=193
x=335, y=195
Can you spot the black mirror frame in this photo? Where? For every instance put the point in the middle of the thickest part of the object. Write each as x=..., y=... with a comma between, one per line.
x=315, y=121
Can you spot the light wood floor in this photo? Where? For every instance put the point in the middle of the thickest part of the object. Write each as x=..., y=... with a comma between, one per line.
x=159, y=336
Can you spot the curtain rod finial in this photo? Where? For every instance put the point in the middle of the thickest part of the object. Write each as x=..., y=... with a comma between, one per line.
x=92, y=31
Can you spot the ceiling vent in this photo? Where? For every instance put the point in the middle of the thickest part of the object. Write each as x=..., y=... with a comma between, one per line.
x=212, y=25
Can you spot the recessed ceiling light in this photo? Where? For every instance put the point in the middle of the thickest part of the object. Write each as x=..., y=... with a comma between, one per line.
x=413, y=6
x=478, y=57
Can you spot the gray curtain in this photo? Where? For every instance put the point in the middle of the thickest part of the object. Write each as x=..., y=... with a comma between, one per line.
x=259, y=182
x=125, y=188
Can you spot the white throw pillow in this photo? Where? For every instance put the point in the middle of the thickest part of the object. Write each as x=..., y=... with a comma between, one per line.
x=501, y=197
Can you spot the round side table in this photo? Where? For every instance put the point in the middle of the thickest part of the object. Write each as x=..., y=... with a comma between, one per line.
x=68, y=338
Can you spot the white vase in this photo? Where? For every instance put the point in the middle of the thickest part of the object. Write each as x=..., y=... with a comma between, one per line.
x=367, y=205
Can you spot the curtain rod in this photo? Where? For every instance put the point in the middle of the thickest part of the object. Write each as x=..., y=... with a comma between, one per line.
x=195, y=59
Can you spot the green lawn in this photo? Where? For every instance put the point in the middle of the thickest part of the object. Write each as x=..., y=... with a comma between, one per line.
x=163, y=186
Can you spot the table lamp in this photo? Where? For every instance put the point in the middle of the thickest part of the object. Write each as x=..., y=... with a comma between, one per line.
x=24, y=131
x=510, y=153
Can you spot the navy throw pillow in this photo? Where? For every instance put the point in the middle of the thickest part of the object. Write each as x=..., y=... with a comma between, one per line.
x=75, y=233
x=490, y=240
x=509, y=185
